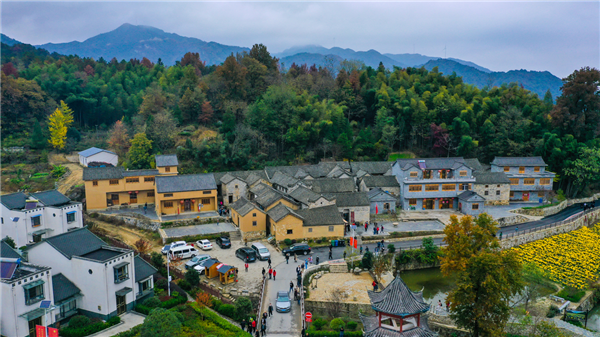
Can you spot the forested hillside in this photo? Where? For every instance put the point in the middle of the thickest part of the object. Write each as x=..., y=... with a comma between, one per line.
x=246, y=113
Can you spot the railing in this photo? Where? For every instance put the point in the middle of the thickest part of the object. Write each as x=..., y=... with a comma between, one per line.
x=302, y=309
x=262, y=295
x=214, y=292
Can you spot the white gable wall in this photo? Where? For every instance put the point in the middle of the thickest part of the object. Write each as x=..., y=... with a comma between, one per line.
x=103, y=156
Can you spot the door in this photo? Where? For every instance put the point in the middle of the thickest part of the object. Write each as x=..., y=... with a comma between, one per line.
x=121, y=305
x=133, y=198
x=115, y=199
x=37, y=237
x=231, y=199
x=352, y=216
x=32, y=324
x=429, y=204
x=187, y=205
x=525, y=196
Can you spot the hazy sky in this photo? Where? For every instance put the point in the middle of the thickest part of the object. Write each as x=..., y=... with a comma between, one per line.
x=556, y=36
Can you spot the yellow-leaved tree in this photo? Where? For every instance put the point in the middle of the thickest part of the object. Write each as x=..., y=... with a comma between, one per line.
x=58, y=123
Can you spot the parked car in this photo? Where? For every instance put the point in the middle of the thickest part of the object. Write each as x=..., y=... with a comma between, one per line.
x=223, y=242
x=246, y=254
x=183, y=252
x=200, y=267
x=261, y=251
x=298, y=249
x=168, y=247
x=196, y=260
x=283, y=303
x=204, y=244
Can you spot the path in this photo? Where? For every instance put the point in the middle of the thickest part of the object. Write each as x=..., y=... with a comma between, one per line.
x=128, y=235
x=128, y=321
x=76, y=171
x=282, y=324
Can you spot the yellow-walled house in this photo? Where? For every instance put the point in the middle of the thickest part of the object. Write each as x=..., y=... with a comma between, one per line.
x=166, y=164
x=114, y=186
x=190, y=193
x=311, y=223
x=251, y=220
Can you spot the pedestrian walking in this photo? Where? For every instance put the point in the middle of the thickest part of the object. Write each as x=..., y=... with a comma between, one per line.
x=374, y=230
x=344, y=254
x=367, y=249
x=291, y=285
x=440, y=305
x=253, y=325
x=270, y=273
x=274, y=274
x=330, y=255
x=250, y=325
x=361, y=250
x=145, y=207
x=246, y=266
x=297, y=295
x=257, y=334
x=342, y=332
x=305, y=263
x=295, y=258
x=298, y=270
x=269, y=262
x=298, y=281
x=303, y=332
x=310, y=260
x=375, y=285
x=381, y=228
x=447, y=306
x=317, y=260
x=366, y=226
x=516, y=229
x=263, y=272
x=263, y=329
x=264, y=318
x=270, y=309
x=243, y=324
x=287, y=258
x=500, y=235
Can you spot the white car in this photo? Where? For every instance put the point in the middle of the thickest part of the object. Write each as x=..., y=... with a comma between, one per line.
x=175, y=244
x=204, y=244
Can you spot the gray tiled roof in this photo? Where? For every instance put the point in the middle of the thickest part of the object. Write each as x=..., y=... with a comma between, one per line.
x=298, y=172
x=14, y=200
x=491, y=178
x=371, y=167
x=518, y=161
x=166, y=160
x=143, y=269
x=7, y=251
x=268, y=196
x=432, y=163
x=469, y=195
x=77, y=242
x=102, y=173
x=243, y=175
x=139, y=173
x=51, y=198
x=252, y=178
x=397, y=299
x=227, y=178
x=304, y=195
x=381, y=181
x=332, y=185
x=377, y=191
x=350, y=199
x=284, y=180
x=243, y=206
x=63, y=288
x=321, y=216
x=474, y=164
x=371, y=328
x=281, y=211
x=102, y=254
x=92, y=151
x=185, y=183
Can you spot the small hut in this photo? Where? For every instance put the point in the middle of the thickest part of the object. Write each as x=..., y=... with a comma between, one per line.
x=210, y=268
x=227, y=274
x=397, y=313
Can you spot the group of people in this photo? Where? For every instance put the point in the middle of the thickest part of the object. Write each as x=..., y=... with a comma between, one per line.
x=589, y=205
x=376, y=228
x=259, y=328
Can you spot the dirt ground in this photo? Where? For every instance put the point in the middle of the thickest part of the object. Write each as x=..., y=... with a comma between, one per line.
x=355, y=286
x=71, y=162
x=128, y=235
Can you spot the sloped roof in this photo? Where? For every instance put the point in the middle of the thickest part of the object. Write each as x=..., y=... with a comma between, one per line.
x=76, y=242
x=470, y=196
x=321, y=216
x=304, y=195
x=491, y=178
x=518, y=161
x=474, y=164
x=243, y=206
x=371, y=167
x=281, y=211
x=332, y=185
x=102, y=173
x=252, y=178
x=243, y=175
x=227, y=178
x=143, y=269
x=284, y=180
x=268, y=196
x=397, y=299
x=63, y=288
x=14, y=200
x=139, y=173
x=376, y=192
x=51, y=198
x=7, y=251
x=92, y=151
x=381, y=181
x=350, y=199
x=371, y=328
x=185, y=183
x=297, y=171
x=432, y=163
x=166, y=160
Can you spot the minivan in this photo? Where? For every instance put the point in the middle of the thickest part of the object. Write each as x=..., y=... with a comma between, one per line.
x=261, y=251
x=183, y=252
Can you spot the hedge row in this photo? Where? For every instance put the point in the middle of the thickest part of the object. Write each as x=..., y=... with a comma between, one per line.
x=219, y=321
x=194, y=238
x=168, y=304
x=333, y=333
x=89, y=329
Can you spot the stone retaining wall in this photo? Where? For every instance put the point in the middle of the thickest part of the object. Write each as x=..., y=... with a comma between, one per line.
x=254, y=235
x=588, y=302
x=511, y=220
x=555, y=209
x=417, y=265
x=347, y=309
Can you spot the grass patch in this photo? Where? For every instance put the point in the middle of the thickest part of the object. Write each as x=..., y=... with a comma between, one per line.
x=400, y=155
x=542, y=206
x=571, y=294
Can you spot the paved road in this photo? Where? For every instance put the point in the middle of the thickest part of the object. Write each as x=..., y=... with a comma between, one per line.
x=282, y=324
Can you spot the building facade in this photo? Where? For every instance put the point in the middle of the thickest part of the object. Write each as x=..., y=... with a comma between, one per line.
x=529, y=180
x=97, y=155
x=381, y=202
x=312, y=223
x=385, y=183
x=250, y=219
x=493, y=186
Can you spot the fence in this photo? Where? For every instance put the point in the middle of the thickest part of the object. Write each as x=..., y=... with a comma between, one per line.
x=214, y=292
x=302, y=309
x=262, y=295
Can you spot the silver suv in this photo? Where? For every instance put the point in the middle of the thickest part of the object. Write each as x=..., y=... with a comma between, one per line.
x=261, y=251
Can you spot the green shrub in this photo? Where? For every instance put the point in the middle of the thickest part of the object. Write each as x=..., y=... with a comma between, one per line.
x=161, y=284
x=334, y=333
x=288, y=242
x=192, y=277
x=227, y=310
x=79, y=321
x=571, y=294
x=218, y=320
x=152, y=302
x=336, y=324
x=352, y=325
x=367, y=260
x=391, y=248
x=114, y=320
x=319, y=323
x=157, y=259
x=90, y=328
x=133, y=332
x=184, y=284
x=552, y=311
x=216, y=303
x=243, y=307
x=168, y=304
x=142, y=309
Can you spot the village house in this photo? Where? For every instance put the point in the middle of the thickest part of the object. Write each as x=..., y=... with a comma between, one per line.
x=493, y=186
x=528, y=177
x=267, y=197
x=115, y=186
x=352, y=206
x=386, y=183
x=233, y=185
x=381, y=202
x=309, y=199
x=166, y=164
x=249, y=218
x=471, y=203
x=28, y=218
x=190, y=193
x=99, y=156
x=371, y=168
x=309, y=223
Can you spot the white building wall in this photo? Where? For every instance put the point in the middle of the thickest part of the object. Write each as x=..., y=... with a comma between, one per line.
x=361, y=213
x=105, y=157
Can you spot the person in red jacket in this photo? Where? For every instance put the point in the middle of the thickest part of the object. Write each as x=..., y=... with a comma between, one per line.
x=246, y=265
x=254, y=325
x=270, y=273
x=274, y=274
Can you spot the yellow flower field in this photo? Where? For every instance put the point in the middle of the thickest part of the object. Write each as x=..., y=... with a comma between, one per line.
x=571, y=259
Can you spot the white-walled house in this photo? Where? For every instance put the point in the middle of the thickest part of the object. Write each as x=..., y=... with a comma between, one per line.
x=30, y=218
x=106, y=276
x=94, y=154
x=24, y=286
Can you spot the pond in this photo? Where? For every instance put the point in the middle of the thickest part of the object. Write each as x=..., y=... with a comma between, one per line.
x=435, y=284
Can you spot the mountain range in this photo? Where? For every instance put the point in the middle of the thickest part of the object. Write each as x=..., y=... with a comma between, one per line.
x=130, y=41
x=8, y=40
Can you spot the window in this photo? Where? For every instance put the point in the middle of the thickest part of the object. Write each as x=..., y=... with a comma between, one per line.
x=114, y=182
x=34, y=292
x=95, y=183
x=545, y=181
x=486, y=186
x=310, y=230
x=498, y=192
x=506, y=168
x=132, y=180
x=168, y=195
x=167, y=169
x=536, y=169
x=427, y=174
x=206, y=192
x=412, y=202
x=432, y=188
x=254, y=223
x=36, y=221
x=331, y=228
x=498, y=186
x=464, y=187
x=486, y=193
x=290, y=231
x=528, y=181
x=254, y=215
x=71, y=217
x=462, y=173
x=521, y=169
x=121, y=273
x=415, y=188
x=148, y=179
x=205, y=201
x=514, y=181
x=150, y=194
x=475, y=206
x=512, y=194
x=114, y=197
x=414, y=174
x=448, y=187
x=2, y=219
x=144, y=286
x=67, y=309
x=236, y=186
x=168, y=204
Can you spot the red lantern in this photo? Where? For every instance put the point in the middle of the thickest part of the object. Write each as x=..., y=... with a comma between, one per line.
x=193, y=201
x=129, y=192
x=136, y=192
x=181, y=202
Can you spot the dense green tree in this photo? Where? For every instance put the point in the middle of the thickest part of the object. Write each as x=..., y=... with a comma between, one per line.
x=139, y=156
x=160, y=322
x=585, y=170
x=38, y=140
x=243, y=307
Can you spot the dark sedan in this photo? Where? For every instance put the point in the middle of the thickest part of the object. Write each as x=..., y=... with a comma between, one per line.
x=298, y=249
x=246, y=254
x=223, y=242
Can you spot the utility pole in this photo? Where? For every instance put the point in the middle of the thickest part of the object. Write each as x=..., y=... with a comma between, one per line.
x=168, y=275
